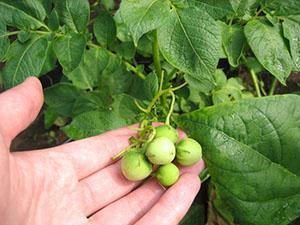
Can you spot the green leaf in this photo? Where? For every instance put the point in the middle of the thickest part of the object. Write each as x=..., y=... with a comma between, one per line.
x=34, y=8
x=50, y=116
x=74, y=13
x=90, y=101
x=150, y=86
x=215, y=8
x=251, y=148
x=69, y=50
x=269, y=48
x=125, y=50
x=283, y=8
x=87, y=74
x=53, y=20
x=105, y=29
x=14, y=16
x=4, y=41
x=142, y=16
x=190, y=40
x=242, y=7
x=24, y=60
x=122, y=113
x=291, y=31
x=233, y=40
x=115, y=79
x=61, y=98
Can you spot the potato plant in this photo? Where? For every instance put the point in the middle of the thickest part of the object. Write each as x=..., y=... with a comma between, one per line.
x=211, y=68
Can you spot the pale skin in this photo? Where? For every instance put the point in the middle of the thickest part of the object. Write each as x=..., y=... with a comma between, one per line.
x=78, y=183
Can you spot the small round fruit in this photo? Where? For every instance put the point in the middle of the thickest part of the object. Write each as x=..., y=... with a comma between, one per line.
x=161, y=151
x=167, y=174
x=188, y=152
x=167, y=131
x=135, y=166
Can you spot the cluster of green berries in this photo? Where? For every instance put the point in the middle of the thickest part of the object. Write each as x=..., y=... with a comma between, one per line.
x=159, y=155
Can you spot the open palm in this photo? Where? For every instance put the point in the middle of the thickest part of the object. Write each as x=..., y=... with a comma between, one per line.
x=77, y=183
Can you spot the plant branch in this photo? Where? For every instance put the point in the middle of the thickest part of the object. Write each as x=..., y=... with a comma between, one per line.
x=273, y=86
x=255, y=82
x=10, y=34
x=171, y=108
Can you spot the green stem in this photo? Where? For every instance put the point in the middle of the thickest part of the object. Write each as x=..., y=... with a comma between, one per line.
x=255, y=82
x=162, y=92
x=156, y=59
x=179, y=87
x=121, y=153
x=171, y=108
x=273, y=86
x=9, y=34
x=134, y=70
x=258, y=12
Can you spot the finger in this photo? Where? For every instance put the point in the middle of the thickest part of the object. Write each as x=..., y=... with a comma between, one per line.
x=104, y=187
x=175, y=202
x=133, y=206
x=91, y=154
x=19, y=107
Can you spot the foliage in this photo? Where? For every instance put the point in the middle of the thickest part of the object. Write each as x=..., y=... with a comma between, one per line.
x=126, y=63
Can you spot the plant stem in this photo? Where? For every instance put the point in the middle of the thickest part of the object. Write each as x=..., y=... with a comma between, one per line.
x=171, y=108
x=273, y=86
x=179, y=87
x=255, y=82
x=162, y=92
x=121, y=153
x=134, y=69
x=156, y=59
x=9, y=34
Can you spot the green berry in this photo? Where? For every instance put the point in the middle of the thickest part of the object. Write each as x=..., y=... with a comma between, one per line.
x=135, y=166
x=167, y=174
x=161, y=151
x=188, y=152
x=167, y=131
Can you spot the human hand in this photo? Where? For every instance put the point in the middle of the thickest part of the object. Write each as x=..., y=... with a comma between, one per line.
x=78, y=183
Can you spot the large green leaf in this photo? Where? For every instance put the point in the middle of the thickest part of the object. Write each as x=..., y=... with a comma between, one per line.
x=252, y=150
x=123, y=112
x=4, y=41
x=190, y=40
x=61, y=98
x=34, y=8
x=216, y=8
x=25, y=59
x=269, y=47
x=69, y=50
x=74, y=13
x=87, y=74
x=14, y=16
x=142, y=16
x=105, y=29
x=233, y=40
x=291, y=31
x=283, y=8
